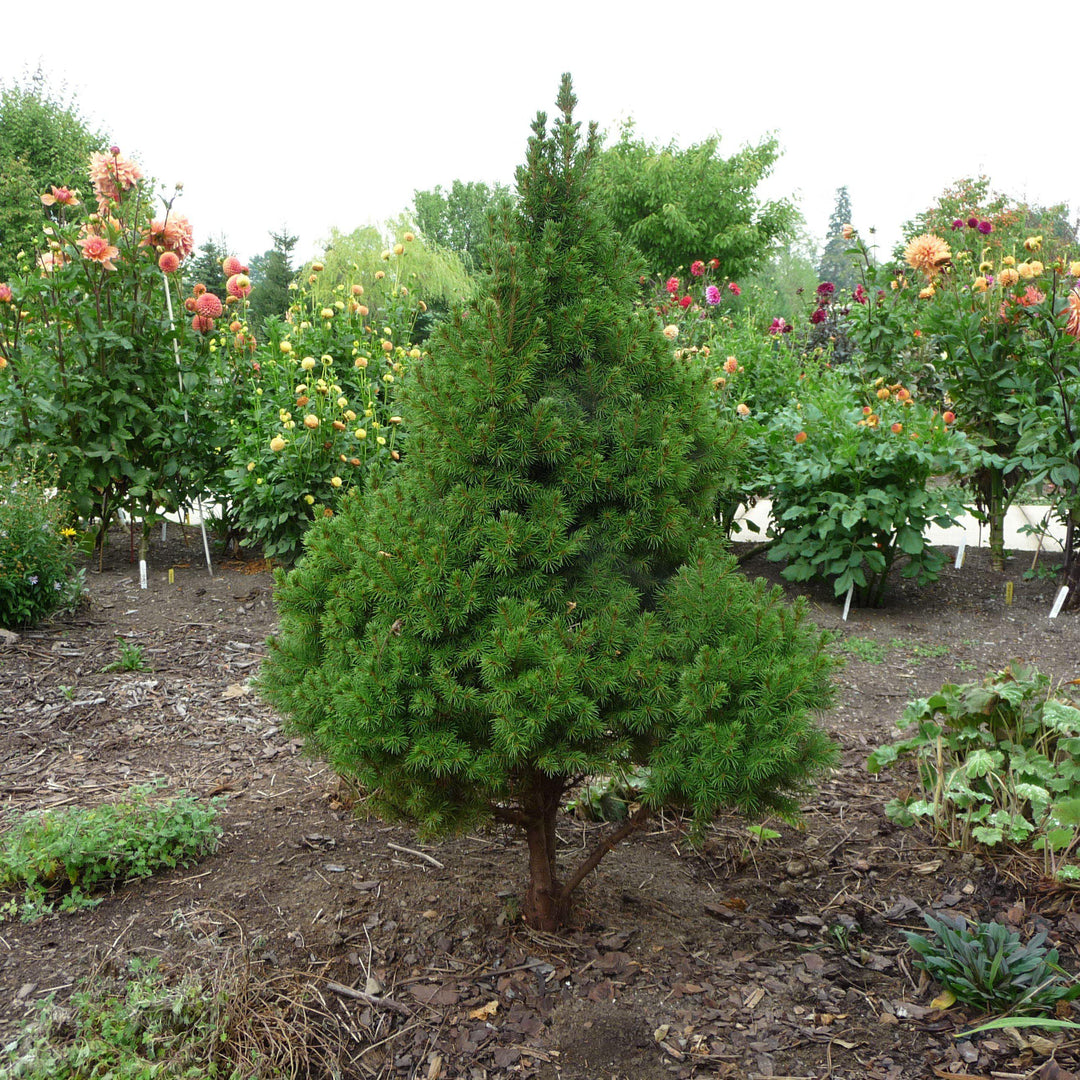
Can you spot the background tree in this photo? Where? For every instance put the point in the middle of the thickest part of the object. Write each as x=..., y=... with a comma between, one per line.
x=457, y=219
x=271, y=274
x=783, y=284
x=835, y=265
x=205, y=267
x=44, y=140
x=540, y=593
x=437, y=273
x=678, y=205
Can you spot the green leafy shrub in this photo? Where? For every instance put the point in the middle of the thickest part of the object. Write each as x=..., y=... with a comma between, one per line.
x=541, y=593
x=849, y=483
x=990, y=968
x=37, y=565
x=997, y=761
x=83, y=849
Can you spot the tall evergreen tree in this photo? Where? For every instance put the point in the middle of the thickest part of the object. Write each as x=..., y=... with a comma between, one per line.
x=541, y=594
x=271, y=274
x=205, y=267
x=835, y=266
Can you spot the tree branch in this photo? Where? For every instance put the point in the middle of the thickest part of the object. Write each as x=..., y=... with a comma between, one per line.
x=609, y=843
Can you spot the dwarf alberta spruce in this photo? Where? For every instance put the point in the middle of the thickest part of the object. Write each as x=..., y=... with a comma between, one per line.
x=540, y=593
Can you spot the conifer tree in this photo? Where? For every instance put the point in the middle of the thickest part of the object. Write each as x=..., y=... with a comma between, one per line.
x=835, y=266
x=540, y=593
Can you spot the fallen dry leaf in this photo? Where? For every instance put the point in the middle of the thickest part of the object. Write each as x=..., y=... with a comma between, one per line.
x=485, y=1012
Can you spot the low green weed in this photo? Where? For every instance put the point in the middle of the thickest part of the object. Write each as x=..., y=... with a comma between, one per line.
x=143, y=1028
x=131, y=658
x=989, y=967
x=999, y=764
x=866, y=649
x=67, y=854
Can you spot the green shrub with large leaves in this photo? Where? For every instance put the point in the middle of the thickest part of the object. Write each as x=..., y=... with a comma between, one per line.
x=849, y=475
x=997, y=761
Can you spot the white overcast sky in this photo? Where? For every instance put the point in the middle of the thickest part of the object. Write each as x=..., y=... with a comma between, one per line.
x=332, y=112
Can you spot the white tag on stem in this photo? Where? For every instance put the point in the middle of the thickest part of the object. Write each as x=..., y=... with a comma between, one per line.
x=1055, y=611
x=847, y=602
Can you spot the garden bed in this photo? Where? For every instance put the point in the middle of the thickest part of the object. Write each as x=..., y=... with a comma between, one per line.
x=744, y=959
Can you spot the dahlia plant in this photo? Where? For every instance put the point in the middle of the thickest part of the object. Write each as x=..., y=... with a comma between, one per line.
x=93, y=368
x=313, y=408
x=848, y=477
x=690, y=304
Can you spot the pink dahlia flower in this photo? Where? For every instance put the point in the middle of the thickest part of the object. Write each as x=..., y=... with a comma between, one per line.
x=112, y=175
x=239, y=285
x=208, y=305
x=168, y=262
x=173, y=234
x=99, y=250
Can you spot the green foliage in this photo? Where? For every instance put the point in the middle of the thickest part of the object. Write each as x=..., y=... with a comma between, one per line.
x=848, y=478
x=989, y=967
x=44, y=140
x=835, y=265
x=314, y=410
x=271, y=275
x=457, y=219
x=140, y=1026
x=90, y=363
x=675, y=205
x=131, y=657
x=997, y=761
x=37, y=566
x=77, y=850
x=609, y=798
x=540, y=593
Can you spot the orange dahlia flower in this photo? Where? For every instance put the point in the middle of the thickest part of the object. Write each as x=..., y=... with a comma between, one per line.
x=99, y=250
x=928, y=253
x=112, y=174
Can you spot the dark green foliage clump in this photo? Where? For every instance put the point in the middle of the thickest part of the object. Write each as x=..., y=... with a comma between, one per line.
x=988, y=966
x=541, y=594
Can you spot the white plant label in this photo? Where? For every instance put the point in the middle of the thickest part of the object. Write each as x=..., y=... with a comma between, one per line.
x=847, y=602
x=1055, y=611
x=960, y=548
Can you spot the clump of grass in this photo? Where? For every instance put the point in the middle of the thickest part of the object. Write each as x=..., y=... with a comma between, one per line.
x=66, y=854
x=223, y=1023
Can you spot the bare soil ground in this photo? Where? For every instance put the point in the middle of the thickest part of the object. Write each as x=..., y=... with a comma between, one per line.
x=783, y=959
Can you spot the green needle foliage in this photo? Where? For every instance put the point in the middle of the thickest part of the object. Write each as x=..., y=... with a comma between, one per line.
x=540, y=593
